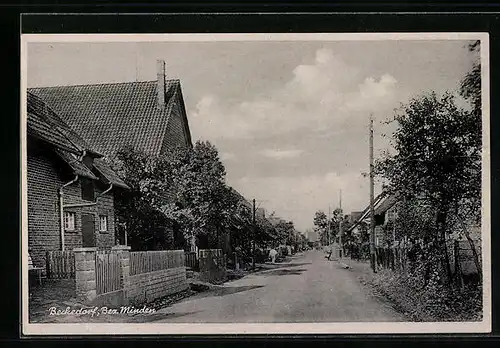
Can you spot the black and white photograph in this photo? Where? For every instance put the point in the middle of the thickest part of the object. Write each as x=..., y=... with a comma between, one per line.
x=255, y=183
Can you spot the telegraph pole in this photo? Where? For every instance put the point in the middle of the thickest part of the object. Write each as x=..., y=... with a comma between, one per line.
x=253, y=233
x=329, y=229
x=341, y=249
x=373, y=256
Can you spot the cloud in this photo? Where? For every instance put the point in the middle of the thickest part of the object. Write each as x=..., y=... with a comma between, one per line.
x=281, y=154
x=323, y=99
x=328, y=93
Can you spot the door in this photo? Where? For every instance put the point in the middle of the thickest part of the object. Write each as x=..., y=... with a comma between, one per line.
x=88, y=230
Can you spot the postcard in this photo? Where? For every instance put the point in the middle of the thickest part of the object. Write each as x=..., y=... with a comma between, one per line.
x=255, y=183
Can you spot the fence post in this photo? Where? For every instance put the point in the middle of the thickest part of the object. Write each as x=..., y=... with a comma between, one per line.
x=85, y=277
x=123, y=252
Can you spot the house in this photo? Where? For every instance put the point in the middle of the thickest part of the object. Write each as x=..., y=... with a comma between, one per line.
x=149, y=116
x=312, y=236
x=384, y=211
x=70, y=187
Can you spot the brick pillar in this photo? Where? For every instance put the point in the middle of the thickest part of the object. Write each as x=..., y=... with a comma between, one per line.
x=123, y=252
x=85, y=274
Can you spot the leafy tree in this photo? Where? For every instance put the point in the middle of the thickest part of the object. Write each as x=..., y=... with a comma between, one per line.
x=320, y=222
x=240, y=232
x=203, y=202
x=265, y=232
x=321, y=225
x=437, y=158
x=470, y=86
x=284, y=230
x=139, y=207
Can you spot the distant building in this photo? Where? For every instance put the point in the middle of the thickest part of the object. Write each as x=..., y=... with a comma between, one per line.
x=384, y=209
x=312, y=236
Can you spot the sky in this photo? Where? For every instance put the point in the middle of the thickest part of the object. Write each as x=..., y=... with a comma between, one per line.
x=290, y=119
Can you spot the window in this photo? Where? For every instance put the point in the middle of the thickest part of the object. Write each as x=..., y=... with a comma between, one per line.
x=103, y=223
x=69, y=221
x=87, y=189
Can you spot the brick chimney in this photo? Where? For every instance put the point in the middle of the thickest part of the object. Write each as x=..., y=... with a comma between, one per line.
x=160, y=77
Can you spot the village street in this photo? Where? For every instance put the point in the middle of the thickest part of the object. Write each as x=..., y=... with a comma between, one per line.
x=308, y=289
x=207, y=186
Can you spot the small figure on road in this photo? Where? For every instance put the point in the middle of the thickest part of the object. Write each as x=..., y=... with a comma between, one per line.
x=330, y=252
x=272, y=255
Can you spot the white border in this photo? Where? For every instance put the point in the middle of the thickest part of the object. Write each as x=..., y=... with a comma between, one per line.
x=264, y=328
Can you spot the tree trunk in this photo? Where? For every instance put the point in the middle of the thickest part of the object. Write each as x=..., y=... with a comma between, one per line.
x=458, y=268
x=218, y=236
x=441, y=222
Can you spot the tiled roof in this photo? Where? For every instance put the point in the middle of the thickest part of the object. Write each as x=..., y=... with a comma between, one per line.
x=102, y=167
x=45, y=124
x=78, y=167
x=39, y=125
x=112, y=116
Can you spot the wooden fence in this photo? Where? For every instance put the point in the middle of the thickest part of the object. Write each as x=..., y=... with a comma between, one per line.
x=191, y=260
x=107, y=270
x=459, y=254
x=60, y=264
x=150, y=261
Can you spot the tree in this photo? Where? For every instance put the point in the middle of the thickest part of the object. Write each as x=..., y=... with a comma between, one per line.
x=320, y=222
x=437, y=158
x=203, y=203
x=470, y=89
x=284, y=231
x=241, y=232
x=470, y=86
x=321, y=225
x=139, y=207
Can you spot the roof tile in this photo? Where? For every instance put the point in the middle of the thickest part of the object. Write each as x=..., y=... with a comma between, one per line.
x=113, y=116
x=45, y=124
x=78, y=167
x=103, y=167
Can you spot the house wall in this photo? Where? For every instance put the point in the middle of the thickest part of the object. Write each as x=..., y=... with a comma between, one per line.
x=104, y=206
x=43, y=209
x=44, y=178
x=175, y=134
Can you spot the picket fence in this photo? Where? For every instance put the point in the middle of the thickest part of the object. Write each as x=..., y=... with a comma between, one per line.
x=150, y=261
x=191, y=260
x=107, y=271
x=60, y=264
x=459, y=253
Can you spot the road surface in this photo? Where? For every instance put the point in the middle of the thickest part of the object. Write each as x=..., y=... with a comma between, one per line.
x=308, y=289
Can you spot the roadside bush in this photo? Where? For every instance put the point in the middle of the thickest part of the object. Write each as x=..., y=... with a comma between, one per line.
x=430, y=301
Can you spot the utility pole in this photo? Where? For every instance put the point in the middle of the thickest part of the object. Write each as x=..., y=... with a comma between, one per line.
x=329, y=230
x=253, y=233
x=341, y=249
x=373, y=256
